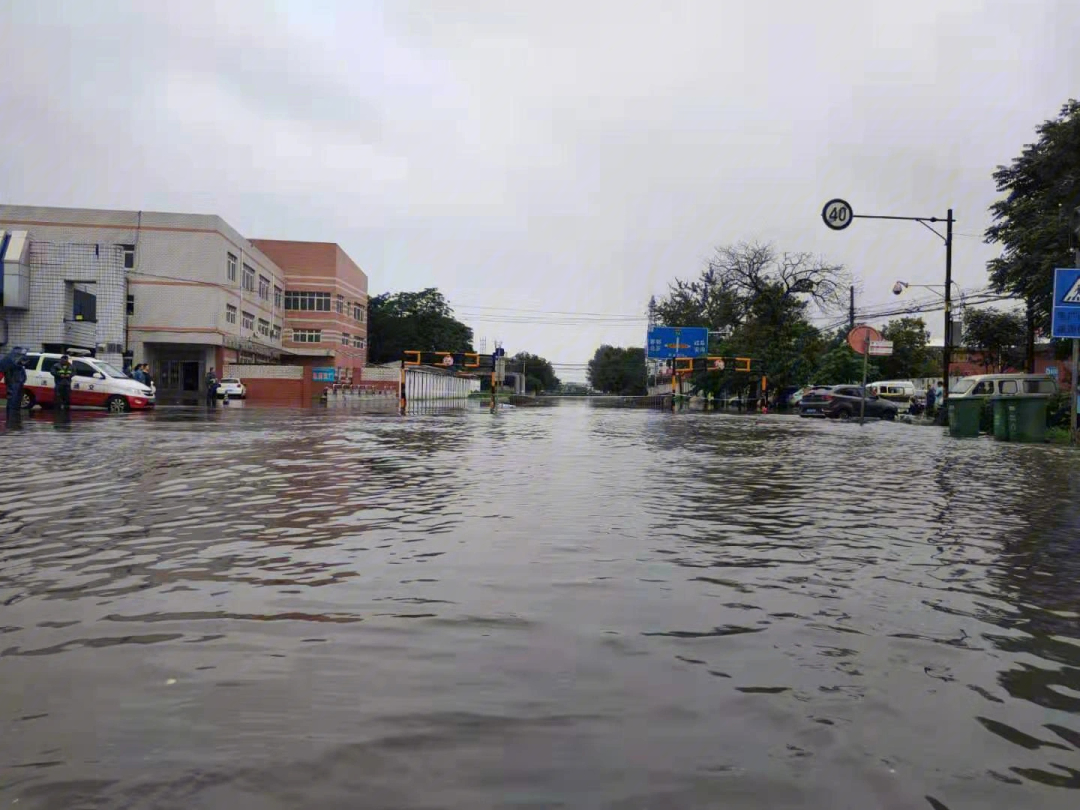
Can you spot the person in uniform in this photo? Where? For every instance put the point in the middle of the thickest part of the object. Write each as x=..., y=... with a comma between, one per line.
x=62, y=374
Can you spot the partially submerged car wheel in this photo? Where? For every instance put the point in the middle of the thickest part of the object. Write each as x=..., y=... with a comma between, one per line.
x=117, y=405
x=27, y=401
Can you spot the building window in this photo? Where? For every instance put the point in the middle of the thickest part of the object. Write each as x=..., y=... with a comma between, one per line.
x=249, y=321
x=359, y=342
x=249, y=279
x=264, y=288
x=230, y=313
x=275, y=332
x=129, y=256
x=339, y=305
x=307, y=301
x=358, y=312
x=279, y=297
x=85, y=308
x=131, y=305
x=346, y=339
x=230, y=267
x=307, y=336
x=264, y=327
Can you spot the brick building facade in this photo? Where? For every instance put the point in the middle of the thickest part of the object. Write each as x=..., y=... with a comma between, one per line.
x=325, y=311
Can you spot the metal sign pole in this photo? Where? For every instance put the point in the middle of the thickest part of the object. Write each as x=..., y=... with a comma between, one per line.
x=865, y=365
x=1074, y=394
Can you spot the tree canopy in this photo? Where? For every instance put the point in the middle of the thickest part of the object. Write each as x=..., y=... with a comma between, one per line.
x=615, y=370
x=413, y=321
x=759, y=300
x=539, y=373
x=1034, y=222
x=912, y=358
x=997, y=335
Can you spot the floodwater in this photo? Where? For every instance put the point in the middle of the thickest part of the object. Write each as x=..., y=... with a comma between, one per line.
x=566, y=607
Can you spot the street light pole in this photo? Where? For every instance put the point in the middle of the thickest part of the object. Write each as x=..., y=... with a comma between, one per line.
x=838, y=215
x=946, y=350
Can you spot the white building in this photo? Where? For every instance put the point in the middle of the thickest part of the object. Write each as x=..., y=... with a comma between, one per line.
x=182, y=292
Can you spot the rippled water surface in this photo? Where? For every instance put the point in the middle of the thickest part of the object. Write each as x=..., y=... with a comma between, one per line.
x=561, y=607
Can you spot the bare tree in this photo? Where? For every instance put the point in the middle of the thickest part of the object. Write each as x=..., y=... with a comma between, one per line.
x=753, y=269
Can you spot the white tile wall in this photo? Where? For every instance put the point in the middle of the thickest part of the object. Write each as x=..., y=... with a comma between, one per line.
x=53, y=270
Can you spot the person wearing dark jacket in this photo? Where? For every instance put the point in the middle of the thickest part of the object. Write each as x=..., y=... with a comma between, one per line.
x=13, y=365
x=62, y=374
x=211, y=387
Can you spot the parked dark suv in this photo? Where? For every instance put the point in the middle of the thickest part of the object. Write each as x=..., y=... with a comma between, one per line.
x=843, y=402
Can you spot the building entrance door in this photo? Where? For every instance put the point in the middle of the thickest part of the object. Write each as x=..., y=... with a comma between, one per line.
x=189, y=376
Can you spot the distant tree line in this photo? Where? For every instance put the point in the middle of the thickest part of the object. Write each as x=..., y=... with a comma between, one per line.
x=424, y=321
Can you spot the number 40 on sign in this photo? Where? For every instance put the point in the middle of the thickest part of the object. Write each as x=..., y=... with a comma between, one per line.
x=837, y=214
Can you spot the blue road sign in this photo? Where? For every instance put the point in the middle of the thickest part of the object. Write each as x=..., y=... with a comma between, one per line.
x=323, y=374
x=1066, y=316
x=665, y=342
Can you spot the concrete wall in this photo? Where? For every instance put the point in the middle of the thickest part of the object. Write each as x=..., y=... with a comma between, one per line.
x=290, y=385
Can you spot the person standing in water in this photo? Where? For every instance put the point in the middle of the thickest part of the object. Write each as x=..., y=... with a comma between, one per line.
x=62, y=374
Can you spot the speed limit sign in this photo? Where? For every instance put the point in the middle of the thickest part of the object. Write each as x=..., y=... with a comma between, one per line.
x=837, y=214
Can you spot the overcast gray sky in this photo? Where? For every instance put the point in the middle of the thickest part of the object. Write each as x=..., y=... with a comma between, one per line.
x=530, y=158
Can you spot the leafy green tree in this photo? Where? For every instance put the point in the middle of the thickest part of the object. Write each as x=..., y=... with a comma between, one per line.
x=997, y=336
x=539, y=373
x=413, y=321
x=760, y=300
x=616, y=370
x=843, y=366
x=912, y=358
x=1032, y=223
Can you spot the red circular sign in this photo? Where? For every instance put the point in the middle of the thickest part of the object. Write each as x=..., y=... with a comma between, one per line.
x=859, y=338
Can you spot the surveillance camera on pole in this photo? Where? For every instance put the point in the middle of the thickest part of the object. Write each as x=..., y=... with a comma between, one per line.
x=898, y=287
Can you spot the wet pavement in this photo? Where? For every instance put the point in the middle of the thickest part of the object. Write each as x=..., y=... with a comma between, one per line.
x=573, y=606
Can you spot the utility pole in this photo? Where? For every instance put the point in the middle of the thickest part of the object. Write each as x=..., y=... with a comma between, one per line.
x=851, y=310
x=946, y=353
x=838, y=215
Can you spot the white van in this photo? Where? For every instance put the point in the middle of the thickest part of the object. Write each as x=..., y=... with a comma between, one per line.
x=96, y=384
x=1003, y=385
x=898, y=391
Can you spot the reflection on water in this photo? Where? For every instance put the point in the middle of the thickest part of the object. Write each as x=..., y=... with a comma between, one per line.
x=550, y=607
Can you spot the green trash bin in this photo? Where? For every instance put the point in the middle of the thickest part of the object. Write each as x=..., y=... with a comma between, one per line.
x=1001, y=419
x=964, y=415
x=1027, y=418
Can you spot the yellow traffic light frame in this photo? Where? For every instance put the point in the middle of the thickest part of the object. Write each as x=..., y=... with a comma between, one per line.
x=472, y=359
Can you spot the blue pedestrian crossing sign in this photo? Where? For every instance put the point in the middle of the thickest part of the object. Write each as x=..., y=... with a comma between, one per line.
x=1065, y=322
